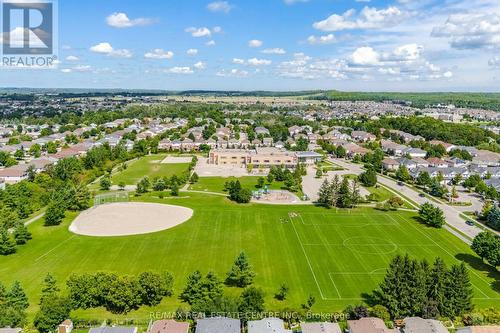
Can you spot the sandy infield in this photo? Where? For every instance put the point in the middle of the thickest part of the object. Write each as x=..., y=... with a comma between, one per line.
x=176, y=159
x=129, y=218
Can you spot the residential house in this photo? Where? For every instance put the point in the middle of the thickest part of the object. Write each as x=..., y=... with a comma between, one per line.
x=486, y=158
x=420, y=325
x=218, y=325
x=268, y=142
x=325, y=327
x=294, y=130
x=362, y=136
x=168, y=326
x=436, y=162
x=267, y=325
x=353, y=149
x=65, y=327
x=414, y=152
x=457, y=162
x=392, y=148
x=14, y=174
x=262, y=131
x=408, y=163
x=447, y=146
x=407, y=137
x=368, y=325
x=390, y=164
x=279, y=144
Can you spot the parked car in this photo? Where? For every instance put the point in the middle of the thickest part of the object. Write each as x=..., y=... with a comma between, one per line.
x=469, y=222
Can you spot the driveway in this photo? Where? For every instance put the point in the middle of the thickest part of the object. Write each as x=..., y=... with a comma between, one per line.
x=452, y=214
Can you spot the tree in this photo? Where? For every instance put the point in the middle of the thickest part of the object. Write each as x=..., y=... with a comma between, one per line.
x=325, y=194
x=487, y=246
x=282, y=292
x=340, y=152
x=154, y=287
x=174, y=189
x=53, y=311
x=458, y=291
x=159, y=184
x=105, y=183
x=381, y=312
x=436, y=286
x=49, y=288
x=16, y=297
x=121, y=185
x=199, y=288
x=21, y=233
x=344, y=194
x=403, y=174
x=431, y=215
x=260, y=182
x=251, y=301
x=319, y=173
x=311, y=300
x=395, y=202
x=368, y=178
x=54, y=214
x=424, y=179
x=7, y=246
x=143, y=185
x=241, y=274
x=194, y=178
x=493, y=218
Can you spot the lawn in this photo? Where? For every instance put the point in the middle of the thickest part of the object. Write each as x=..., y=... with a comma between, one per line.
x=216, y=184
x=338, y=256
x=150, y=166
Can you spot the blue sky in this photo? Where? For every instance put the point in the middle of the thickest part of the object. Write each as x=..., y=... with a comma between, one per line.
x=403, y=45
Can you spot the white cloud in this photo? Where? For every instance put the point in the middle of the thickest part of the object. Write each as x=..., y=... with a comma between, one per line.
x=199, y=32
x=259, y=62
x=107, y=49
x=365, y=56
x=276, y=50
x=232, y=73
x=217, y=30
x=238, y=61
x=72, y=58
x=470, y=31
x=220, y=6
x=192, y=52
x=210, y=43
x=368, y=18
x=159, y=54
x=200, y=65
x=121, y=20
x=180, y=70
x=255, y=43
x=317, y=40
x=79, y=68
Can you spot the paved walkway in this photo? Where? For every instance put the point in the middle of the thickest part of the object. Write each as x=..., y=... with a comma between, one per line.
x=452, y=214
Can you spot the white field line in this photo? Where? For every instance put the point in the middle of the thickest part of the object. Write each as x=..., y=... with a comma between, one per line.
x=55, y=247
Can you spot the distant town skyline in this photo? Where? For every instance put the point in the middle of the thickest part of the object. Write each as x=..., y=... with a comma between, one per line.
x=362, y=45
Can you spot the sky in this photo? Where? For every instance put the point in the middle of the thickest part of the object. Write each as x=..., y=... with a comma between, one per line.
x=350, y=45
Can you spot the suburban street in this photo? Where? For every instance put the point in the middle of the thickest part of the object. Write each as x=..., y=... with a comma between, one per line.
x=451, y=214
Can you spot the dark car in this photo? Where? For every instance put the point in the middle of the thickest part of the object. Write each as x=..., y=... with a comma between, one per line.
x=421, y=195
x=400, y=183
x=469, y=222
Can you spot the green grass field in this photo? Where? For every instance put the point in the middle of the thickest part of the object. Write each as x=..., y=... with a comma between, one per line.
x=216, y=184
x=337, y=256
x=150, y=166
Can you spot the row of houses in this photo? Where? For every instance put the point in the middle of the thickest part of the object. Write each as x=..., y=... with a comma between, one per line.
x=276, y=325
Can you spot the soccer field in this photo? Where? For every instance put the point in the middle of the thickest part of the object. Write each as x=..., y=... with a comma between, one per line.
x=337, y=256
